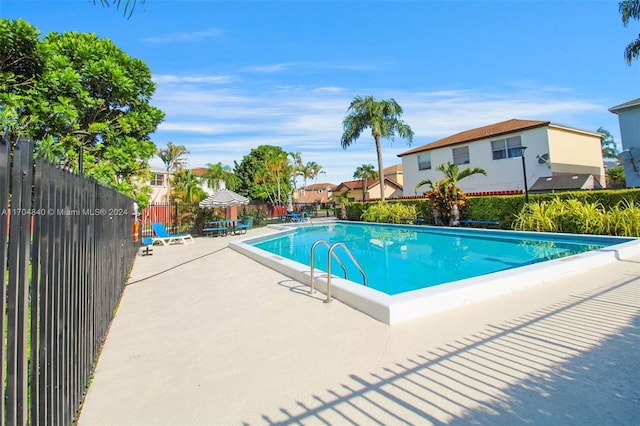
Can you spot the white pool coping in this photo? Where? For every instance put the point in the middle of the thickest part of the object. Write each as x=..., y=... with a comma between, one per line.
x=395, y=309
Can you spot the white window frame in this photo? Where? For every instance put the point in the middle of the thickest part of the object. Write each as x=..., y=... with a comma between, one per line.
x=157, y=177
x=507, y=147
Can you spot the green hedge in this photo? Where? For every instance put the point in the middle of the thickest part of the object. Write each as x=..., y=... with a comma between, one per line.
x=505, y=208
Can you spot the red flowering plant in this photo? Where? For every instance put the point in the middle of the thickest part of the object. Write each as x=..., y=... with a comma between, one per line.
x=445, y=198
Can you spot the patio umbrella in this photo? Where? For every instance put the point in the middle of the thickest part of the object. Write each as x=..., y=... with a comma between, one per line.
x=223, y=198
x=289, y=203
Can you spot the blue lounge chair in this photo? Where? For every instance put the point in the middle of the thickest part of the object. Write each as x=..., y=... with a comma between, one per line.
x=165, y=238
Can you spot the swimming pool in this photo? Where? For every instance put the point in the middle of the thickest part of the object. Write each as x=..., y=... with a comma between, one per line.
x=416, y=270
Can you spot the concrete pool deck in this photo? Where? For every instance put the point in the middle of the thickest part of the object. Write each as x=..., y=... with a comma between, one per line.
x=205, y=335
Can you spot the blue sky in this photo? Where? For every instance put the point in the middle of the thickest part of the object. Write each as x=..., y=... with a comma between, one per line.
x=233, y=75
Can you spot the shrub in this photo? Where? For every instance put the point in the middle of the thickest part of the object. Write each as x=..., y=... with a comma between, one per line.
x=578, y=217
x=386, y=212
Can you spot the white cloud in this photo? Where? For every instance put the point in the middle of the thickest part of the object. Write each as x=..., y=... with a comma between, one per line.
x=207, y=79
x=268, y=68
x=187, y=36
x=219, y=122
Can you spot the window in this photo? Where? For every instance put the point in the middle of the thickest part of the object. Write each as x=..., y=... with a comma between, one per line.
x=158, y=179
x=506, y=148
x=461, y=155
x=424, y=161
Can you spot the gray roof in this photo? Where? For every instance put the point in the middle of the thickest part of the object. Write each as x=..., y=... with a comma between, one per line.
x=626, y=105
x=565, y=183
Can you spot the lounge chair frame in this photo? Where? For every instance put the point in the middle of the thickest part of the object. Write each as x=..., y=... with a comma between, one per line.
x=165, y=238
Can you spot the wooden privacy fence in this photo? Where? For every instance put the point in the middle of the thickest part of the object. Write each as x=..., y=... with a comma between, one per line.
x=67, y=253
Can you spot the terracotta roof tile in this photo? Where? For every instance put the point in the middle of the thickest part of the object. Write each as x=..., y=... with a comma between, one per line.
x=316, y=186
x=199, y=171
x=492, y=130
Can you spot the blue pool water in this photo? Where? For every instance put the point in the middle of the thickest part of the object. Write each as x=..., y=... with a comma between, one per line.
x=398, y=259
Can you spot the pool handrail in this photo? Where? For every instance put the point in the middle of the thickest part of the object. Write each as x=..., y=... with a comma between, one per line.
x=331, y=252
x=311, y=264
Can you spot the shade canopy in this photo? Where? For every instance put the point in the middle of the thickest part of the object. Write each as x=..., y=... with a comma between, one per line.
x=223, y=198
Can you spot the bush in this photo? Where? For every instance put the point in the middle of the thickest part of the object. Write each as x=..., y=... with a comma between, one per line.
x=260, y=216
x=386, y=212
x=578, y=217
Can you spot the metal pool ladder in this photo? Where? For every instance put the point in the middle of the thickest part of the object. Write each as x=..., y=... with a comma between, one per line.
x=344, y=268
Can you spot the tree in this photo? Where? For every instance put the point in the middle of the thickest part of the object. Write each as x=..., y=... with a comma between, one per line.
x=264, y=174
x=118, y=3
x=312, y=170
x=276, y=168
x=609, y=149
x=445, y=197
x=364, y=173
x=383, y=117
x=616, y=178
x=185, y=188
x=173, y=158
x=297, y=169
x=630, y=9
x=296, y=165
x=216, y=174
x=74, y=92
x=341, y=199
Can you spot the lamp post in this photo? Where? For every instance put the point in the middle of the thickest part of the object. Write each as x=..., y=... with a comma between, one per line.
x=524, y=174
x=81, y=135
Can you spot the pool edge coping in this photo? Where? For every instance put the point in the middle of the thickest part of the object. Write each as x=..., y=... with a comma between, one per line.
x=399, y=308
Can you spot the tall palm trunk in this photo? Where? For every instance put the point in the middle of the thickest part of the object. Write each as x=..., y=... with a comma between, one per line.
x=364, y=189
x=168, y=185
x=380, y=168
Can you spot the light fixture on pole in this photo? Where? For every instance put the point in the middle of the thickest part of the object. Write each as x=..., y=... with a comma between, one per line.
x=524, y=174
x=82, y=135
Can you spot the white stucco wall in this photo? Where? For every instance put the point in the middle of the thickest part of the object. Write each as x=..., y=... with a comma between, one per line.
x=502, y=175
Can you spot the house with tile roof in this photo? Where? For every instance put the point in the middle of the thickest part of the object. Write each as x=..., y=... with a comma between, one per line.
x=158, y=185
x=315, y=194
x=549, y=150
x=372, y=192
x=199, y=172
x=629, y=121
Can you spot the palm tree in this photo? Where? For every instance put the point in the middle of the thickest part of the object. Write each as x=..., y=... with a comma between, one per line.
x=297, y=169
x=216, y=174
x=446, y=198
x=173, y=158
x=630, y=9
x=117, y=3
x=364, y=173
x=453, y=174
x=296, y=164
x=383, y=117
x=276, y=166
x=615, y=178
x=313, y=169
x=342, y=199
x=186, y=188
